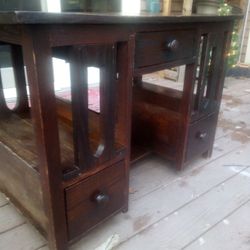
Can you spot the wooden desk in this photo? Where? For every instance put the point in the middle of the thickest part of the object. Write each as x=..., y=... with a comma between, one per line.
x=66, y=167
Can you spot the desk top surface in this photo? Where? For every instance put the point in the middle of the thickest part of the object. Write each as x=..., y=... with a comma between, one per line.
x=37, y=17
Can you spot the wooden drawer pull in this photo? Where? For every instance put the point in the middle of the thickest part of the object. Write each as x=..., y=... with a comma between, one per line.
x=173, y=45
x=101, y=198
x=202, y=136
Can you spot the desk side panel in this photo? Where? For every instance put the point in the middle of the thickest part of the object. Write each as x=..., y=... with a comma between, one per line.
x=22, y=185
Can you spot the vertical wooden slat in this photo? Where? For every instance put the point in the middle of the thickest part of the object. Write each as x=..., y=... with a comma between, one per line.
x=37, y=56
x=209, y=74
x=213, y=79
x=107, y=102
x=3, y=107
x=81, y=58
x=79, y=92
x=22, y=104
x=203, y=70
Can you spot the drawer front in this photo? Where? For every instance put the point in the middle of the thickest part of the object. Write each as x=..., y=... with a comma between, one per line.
x=161, y=47
x=92, y=200
x=201, y=136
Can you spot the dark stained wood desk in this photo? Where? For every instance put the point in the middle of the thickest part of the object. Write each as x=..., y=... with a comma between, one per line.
x=67, y=167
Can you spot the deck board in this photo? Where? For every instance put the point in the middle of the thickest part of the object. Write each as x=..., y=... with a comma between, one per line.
x=23, y=237
x=3, y=200
x=178, y=229
x=230, y=228
x=10, y=218
x=168, y=199
x=43, y=248
x=141, y=176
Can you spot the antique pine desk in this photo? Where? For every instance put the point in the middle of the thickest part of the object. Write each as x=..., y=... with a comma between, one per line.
x=65, y=166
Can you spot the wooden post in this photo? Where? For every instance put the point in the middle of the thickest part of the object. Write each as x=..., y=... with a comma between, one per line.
x=125, y=59
x=38, y=59
x=186, y=105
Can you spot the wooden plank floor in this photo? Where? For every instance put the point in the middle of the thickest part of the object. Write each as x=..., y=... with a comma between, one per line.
x=206, y=206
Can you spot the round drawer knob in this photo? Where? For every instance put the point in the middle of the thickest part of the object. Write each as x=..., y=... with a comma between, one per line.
x=101, y=198
x=173, y=45
x=202, y=135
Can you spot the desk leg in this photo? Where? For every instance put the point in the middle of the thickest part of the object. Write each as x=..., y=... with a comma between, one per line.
x=38, y=59
x=186, y=108
x=125, y=60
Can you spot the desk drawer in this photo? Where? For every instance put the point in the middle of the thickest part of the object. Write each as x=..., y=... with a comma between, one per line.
x=162, y=47
x=94, y=199
x=201, y=136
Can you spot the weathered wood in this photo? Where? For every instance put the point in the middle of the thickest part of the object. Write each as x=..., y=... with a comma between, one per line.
x=23, y=186
x=9, y=218
x=199, y=216
x=235, y=230
x=140, y=177
x=3, y=200
x=233, y=121
x=17, y=133
x=44, y=248
x=22, y=237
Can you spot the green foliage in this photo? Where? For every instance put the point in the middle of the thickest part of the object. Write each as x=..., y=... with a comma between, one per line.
x=225, y=9
x=233, y=53
x=234, y=50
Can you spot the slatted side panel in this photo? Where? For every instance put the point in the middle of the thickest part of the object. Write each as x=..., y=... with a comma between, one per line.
x=19, y=76
x=209, y=73
x=15, y=60
x=103, y=57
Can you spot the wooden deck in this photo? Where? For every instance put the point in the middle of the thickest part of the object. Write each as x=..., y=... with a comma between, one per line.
x=206, y=206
